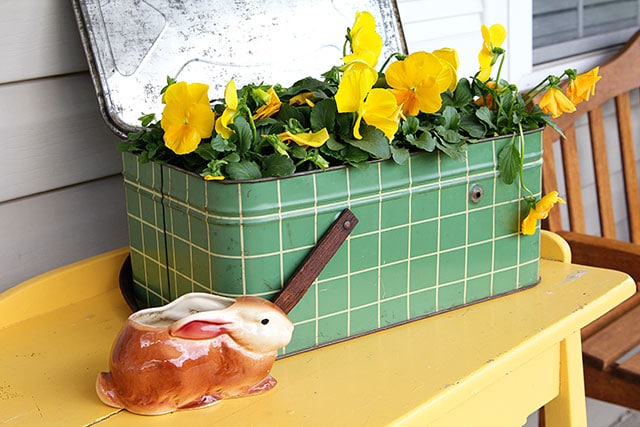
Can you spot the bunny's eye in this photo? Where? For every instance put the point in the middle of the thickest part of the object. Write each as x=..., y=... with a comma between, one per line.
x=264, y=321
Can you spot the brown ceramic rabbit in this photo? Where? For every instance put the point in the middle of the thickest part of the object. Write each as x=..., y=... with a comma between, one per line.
x=193, y=352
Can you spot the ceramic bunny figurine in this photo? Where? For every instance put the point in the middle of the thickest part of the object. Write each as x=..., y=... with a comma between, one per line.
x=193, y=352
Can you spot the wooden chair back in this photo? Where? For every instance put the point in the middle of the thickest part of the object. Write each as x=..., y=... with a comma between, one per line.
x=609, y=344
x=620, y=77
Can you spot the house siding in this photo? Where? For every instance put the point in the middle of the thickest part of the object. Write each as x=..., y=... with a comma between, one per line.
x=61, y=197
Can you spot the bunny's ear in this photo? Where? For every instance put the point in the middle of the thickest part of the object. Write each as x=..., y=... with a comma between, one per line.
x=198, y=329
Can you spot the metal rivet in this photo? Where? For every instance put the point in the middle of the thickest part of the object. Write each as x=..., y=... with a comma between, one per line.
x=346, y=225
x=475, y=193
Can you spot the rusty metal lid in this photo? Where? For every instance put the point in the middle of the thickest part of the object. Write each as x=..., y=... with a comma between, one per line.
x=133, y=45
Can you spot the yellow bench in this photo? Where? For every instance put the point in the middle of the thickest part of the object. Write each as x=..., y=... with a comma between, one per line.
x=489, y=364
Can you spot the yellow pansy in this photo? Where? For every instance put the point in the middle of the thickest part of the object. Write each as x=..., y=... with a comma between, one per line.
x=308, y=139
x=556, y=103
x=493, y=37
x=583, y=86
x=378, y=107
x=418, y=81
x=366, y=43
x=352, y=91
x=270, y=108
x=231, y=102
x=187, y=116
x=539, y=211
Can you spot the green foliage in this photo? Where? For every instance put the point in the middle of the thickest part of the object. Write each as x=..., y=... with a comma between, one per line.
x=474, y=111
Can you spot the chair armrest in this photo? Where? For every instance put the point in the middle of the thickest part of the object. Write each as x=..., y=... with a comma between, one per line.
x=603, y=252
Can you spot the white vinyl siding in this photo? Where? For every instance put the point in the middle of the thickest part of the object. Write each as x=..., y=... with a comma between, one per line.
x=563, y=28
x=61, y=194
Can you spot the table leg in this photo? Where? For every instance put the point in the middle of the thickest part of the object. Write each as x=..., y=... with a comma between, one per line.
x=569, y=408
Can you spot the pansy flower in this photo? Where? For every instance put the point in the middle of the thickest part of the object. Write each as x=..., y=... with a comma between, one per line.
x=271, y=106
x=377, y=107
x=418, y=82
x=540, y=210
x=493, y=37
x=366, y=43
x=555, y=102
x=583, y=86
x=187, y=117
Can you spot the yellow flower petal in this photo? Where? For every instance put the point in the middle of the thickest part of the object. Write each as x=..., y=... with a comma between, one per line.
x=583, y=86
x=544, y=205
x=231, y=101
x=353, y=88
x=448, y=78
x=213, y=178
x=182, y=139
x=302, y=99
x=555, y=102
x=530, y=223
x=540, y=211
x=309, y=139
x=381, y=111
x=231, y=95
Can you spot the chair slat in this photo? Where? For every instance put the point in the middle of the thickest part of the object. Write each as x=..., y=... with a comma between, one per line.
x=549, y=178
x=572, y=180
x=601, y=168
x=616, y=339
x=630, y=369
x=623, y=114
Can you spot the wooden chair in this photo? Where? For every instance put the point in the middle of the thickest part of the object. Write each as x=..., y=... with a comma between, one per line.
x=608, y=375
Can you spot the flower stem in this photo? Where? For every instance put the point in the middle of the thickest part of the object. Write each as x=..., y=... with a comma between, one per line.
x=522, y=184
x=393, y=55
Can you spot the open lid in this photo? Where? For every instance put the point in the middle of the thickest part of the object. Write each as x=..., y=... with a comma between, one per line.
x=133, y=45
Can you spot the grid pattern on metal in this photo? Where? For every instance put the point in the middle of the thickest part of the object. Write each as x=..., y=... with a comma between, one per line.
x=421, y=246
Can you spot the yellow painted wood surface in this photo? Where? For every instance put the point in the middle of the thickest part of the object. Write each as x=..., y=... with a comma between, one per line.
x=489, y=364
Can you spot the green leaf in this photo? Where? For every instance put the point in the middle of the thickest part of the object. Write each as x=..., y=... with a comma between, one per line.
x=298, y=152
x=323, y=115
x=243, y=133
x=309, y=84
x=300, y=113
x=277, y=165
x=509, y=163
x=425, y=142
x=373, y=142
x=221, y=145
x=410, y=126
x=486, y=116
x=451, y=118
x=463, y=94
x=334, y=144
x=206, y=151
x=243, y=170
x=471, y=125
x=400, y=155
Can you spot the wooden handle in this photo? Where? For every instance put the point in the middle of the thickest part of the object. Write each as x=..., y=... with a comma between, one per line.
x=313, y=264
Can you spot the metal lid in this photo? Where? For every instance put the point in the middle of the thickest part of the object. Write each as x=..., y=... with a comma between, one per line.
x=133, y=45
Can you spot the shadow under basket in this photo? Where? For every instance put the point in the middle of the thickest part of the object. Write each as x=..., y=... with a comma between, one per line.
x=433, y=234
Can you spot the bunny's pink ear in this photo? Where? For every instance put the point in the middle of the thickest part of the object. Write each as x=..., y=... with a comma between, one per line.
x=198, y=330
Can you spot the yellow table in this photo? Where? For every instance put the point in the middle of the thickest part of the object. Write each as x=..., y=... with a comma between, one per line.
x=489, y=364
